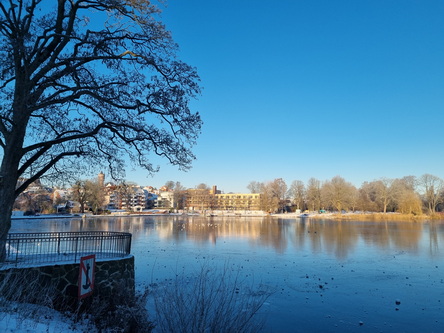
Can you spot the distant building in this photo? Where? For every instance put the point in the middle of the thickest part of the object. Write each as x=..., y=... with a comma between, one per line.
x=101, y=179
x=165, y=199
x=132, y=198
x=213, y=199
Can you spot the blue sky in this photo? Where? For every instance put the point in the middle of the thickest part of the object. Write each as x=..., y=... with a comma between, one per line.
x=299, y=89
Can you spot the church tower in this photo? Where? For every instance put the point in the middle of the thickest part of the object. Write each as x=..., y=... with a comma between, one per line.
x=101, y=179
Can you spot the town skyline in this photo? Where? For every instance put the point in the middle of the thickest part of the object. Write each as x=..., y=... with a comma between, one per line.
x=416, y=178
x=407, y=195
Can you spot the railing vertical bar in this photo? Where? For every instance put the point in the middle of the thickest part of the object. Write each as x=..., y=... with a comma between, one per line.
x=75, y=251
x=17, y=251
x=58, y=243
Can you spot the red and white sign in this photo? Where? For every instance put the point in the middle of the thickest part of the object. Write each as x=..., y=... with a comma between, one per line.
x=86, y=275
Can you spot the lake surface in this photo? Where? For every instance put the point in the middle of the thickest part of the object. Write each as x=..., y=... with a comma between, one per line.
x=326, y=276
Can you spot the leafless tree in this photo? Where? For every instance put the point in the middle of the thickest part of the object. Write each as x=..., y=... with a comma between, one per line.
x=88, y=193
x=170, y=185
x=297, y=192
x=202, y=186
x=313, y=194
x=367, y=197
x=80, y=194
x=385, y=192
x=432, y=188
x=88, y=83
x=255, y=187
x=180, y=196
x=339, y=193
x=274, y=195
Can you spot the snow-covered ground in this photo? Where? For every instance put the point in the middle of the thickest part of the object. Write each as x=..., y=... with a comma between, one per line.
x=26, y=318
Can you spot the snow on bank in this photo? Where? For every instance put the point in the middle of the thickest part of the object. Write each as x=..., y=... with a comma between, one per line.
x=26, y=318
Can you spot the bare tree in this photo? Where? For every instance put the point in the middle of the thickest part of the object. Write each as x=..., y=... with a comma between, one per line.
x=89, y=193
x=432, y=188
x=339, y=193
x=78, y=92
x=180, y=196
x=367, y=197
x=274, y=195
x=96, y=196
x=170, y=185
x=385, y=192
x=409, y=202
x=255, y=187
x=80, y=194
x=202, y=186
x=125, y=192
x=313, y=194
x=297, y=192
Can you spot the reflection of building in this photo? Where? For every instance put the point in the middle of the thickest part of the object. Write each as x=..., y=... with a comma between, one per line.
x=203, y=199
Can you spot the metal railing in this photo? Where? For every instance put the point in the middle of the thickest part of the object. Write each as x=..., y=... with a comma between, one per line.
x=45, y=247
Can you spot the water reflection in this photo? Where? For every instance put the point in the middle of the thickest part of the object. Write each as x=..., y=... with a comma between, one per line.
x=337, y=238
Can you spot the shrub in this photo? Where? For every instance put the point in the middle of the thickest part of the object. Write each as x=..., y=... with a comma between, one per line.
x=125, y=312
x=209, y=302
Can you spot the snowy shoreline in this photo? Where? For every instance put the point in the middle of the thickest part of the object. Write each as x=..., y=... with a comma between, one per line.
x=359, y=216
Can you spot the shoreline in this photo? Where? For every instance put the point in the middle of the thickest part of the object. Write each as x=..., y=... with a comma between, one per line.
x=362, y=217
x=370, y=217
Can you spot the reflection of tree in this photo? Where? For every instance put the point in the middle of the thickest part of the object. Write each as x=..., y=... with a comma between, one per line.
x=433, y=234
x=297, y=236
x=314, y=232
x=406, y=235
x=377, y=233
x=272, y=233
x=339, y=237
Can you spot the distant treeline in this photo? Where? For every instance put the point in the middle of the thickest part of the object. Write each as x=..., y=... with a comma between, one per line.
x=407, y=195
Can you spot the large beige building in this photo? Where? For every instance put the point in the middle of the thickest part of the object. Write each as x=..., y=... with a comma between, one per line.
x=212, y=199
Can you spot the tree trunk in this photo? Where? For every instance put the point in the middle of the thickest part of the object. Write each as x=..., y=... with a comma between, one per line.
x=8, y=183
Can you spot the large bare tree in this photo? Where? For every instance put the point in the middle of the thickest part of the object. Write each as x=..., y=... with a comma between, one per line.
x=339, y=193
x=313, y=194
x=274, y=195
x=298, y=193
x=88, y=82
x=432, y=187
x=88, y=193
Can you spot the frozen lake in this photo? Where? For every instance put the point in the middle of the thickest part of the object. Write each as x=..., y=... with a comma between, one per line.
x=327, y=276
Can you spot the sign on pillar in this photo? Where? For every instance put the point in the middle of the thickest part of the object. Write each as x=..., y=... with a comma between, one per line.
x=86, y=275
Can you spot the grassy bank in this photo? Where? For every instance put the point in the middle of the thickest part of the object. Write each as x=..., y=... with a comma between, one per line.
x=380, y=217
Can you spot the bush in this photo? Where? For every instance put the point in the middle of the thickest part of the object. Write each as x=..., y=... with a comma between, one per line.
x=127, y=313
x=209, y=302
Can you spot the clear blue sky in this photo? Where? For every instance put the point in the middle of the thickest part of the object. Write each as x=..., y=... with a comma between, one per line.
x=298, y=89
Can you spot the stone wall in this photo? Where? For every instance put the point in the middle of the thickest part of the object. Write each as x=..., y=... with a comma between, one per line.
x=56, y=285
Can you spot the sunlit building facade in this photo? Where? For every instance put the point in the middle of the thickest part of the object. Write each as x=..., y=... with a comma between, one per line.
x=212, y=199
